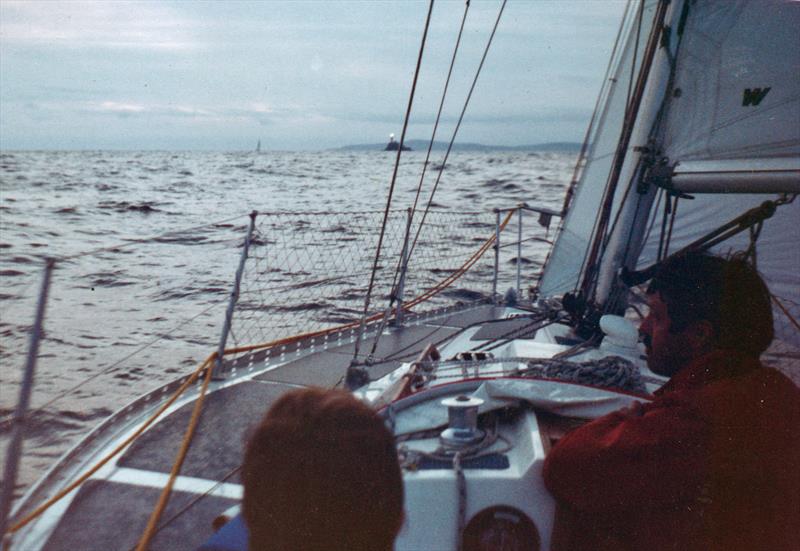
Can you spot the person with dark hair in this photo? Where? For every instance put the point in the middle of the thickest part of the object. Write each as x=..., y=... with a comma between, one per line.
x=712, y=461
x=321, y=473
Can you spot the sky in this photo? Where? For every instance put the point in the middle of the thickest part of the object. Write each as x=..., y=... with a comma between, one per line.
x=299, y=75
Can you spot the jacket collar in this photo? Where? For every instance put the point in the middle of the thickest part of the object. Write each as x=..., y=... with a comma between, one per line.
x=714, y=366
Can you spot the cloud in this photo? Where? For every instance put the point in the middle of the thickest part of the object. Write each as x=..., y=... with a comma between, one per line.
x=256, y=113
x=94, y=24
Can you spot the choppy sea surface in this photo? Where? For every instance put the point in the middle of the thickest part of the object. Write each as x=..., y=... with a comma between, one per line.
x=149, y=243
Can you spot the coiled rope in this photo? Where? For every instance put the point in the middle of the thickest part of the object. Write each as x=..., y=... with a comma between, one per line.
x=612, y=372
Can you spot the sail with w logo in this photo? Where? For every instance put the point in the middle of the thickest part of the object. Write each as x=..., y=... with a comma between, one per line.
x=753, y=96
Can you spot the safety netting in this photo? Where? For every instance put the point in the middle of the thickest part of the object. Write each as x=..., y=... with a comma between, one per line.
x=310, y=271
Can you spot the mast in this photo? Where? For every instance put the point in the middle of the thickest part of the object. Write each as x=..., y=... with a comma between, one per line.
x=567, y=263
x=628, y=228
x=639, y=120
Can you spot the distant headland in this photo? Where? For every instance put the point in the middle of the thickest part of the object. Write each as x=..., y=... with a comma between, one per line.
x=422, y=145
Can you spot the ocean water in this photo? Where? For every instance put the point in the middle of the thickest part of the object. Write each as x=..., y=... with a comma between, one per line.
x=148, y=243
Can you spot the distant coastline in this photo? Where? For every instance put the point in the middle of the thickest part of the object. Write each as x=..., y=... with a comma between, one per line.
x=422, y=145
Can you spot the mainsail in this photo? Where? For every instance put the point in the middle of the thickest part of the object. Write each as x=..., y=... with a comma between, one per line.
x=724, y=139
x=733, y=126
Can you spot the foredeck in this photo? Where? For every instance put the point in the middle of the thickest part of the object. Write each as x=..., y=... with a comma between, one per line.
x=111, y=510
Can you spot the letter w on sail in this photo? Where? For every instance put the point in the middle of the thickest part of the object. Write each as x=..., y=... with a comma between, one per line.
x=754, y=96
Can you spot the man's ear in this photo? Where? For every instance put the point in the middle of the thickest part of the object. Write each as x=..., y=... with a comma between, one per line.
x=701, y=336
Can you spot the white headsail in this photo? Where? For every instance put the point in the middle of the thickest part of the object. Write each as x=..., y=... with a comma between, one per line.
x=725, y=138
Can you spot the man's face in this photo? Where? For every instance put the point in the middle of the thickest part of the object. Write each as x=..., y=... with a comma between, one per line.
x=667, y=352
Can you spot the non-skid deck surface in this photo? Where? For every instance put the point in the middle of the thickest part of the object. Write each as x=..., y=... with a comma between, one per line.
x=109, y=516
x=328, y=367
x=522, y=327
x=218, y=444
x=112, y=515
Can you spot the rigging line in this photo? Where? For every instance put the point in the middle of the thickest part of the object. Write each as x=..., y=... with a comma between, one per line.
x=642, y=166
x=518, y=333
x=400, y=353
x=455, y=131
x=671, y=225
x=597, y=227
x=635, y=55
x=663, y=232
x=441, y=107
x=589, y=130
x=391, y=186
x=585, y=157
x=622, y=145
x=785, y=311
x=395, y=357
x=433, y=134
x=190, y=380
x=660, y=193
x=459, y=332
x=663, y=112
x=409, y=305
x=120, y=361
x=194, y=501
x=163, y=499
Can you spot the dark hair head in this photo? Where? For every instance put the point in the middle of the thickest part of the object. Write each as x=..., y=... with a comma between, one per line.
x=727, y=292
x=321, y=473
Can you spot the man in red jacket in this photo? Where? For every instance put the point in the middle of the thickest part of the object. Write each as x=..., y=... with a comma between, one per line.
x=713, y=462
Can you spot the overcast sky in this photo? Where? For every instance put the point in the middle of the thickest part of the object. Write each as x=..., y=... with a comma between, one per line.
x=296, y=75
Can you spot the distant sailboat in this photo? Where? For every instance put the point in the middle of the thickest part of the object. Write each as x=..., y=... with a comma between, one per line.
x=258, y=147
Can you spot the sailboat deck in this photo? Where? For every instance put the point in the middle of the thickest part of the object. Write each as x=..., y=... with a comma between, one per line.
x=112, y=511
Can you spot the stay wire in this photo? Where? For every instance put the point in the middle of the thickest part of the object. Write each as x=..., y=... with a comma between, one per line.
x=631, y=111
x=587, y=138
x=637, y=20
x=400, y=262
x=587, y=152
x=435, y=127
x=657, y=127
x=455, y=131
x=439, y=112
x=391, y=187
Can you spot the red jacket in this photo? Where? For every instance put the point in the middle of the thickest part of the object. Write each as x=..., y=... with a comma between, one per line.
x=712, y=463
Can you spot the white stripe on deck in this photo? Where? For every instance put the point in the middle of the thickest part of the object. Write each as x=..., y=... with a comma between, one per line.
x=190, y=484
